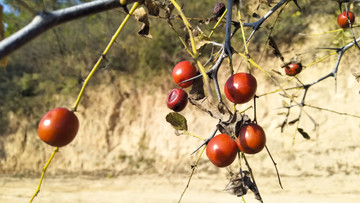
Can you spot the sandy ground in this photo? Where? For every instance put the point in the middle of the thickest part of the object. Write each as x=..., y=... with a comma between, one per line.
x=155, y=188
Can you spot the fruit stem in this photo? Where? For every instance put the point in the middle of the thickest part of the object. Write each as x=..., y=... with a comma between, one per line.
x=43, y=173
x=252, y=175
x=217, y=24
x=242, y=30
x=275, y=165
x=187, y=25
x=192, y=173
x=136, y=4
x=193, y=135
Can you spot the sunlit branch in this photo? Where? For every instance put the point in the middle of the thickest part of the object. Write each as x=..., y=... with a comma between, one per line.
x=46, y=20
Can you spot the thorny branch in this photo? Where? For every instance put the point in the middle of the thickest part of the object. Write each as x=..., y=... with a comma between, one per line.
x=333, y=73
x=46, y=20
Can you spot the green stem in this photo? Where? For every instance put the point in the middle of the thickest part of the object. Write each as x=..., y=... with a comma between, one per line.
x=136, y=4
x=43, y=173
x=192, y=173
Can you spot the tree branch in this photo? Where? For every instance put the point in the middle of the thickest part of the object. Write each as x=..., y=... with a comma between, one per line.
x=46, y=20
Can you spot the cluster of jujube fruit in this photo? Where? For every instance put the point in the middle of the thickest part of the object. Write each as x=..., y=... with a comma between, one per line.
x=178, y=98
x=344, y=20
x=240, y=88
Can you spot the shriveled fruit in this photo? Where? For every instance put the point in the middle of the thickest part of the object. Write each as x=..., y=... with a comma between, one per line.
x=219, y=9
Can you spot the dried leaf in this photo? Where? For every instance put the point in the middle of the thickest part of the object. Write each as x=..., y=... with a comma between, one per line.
x=277, y=72
x=255, y=15
x=293, y=121
x=303, y=133
x=223, y=108
x=276, y=50
x=168, y=8
x=141, y=16
x=239, y=185
x=152, y=7
x=282, y=126
x=197, y=90
x=357, y=76
x=233, y=125
x=209, y=107
x=177, y=121
x=200, y=38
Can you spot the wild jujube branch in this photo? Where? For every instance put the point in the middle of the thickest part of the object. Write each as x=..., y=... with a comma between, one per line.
x=333, y=73
x=46, y=20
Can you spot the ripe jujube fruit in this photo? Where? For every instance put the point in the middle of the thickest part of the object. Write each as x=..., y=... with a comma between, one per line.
x=177, y=100
x=240, y=88
x=343, y=19
x=221, y=150
x=58, y=127
x=251, y=138
x=292, y=69
x=182, y=71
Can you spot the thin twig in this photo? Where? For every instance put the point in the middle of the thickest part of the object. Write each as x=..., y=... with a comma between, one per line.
x=275, y=165
x=112, y=41
x=332, y=111
x=252, y=175
x=43, y=173
x=192, y=173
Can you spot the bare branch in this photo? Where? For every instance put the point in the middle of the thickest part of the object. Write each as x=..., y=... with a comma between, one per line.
x=256, y=25
x=46, y=20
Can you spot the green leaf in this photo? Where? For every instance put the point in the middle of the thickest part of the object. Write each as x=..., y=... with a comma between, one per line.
x=303, y=133
x=177, y=121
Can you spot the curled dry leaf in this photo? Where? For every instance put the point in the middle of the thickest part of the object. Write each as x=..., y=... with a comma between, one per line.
x=142, y=16
x=276, y=50
x=197, y=90
x=255, y=15
x=152, y=7
x=239, y=184
x=294, y=121
x=212, y=109
x=233, y=125
x=168, y=8
x=303, y=133
x=200, y=38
